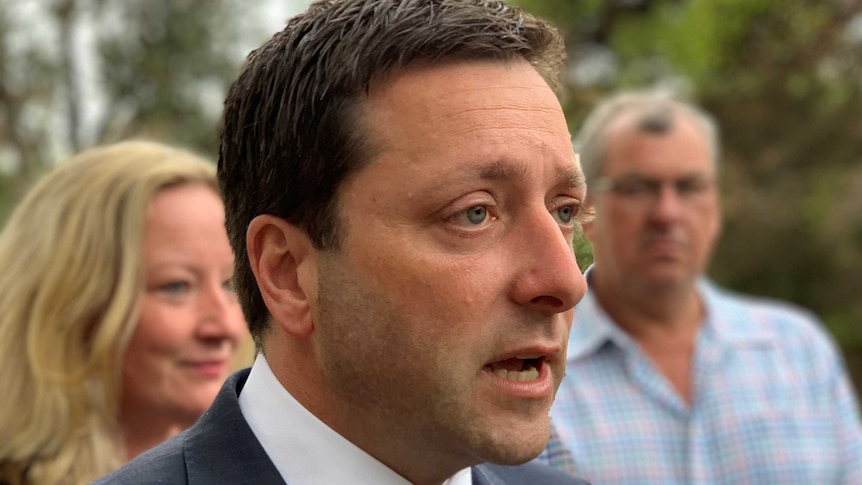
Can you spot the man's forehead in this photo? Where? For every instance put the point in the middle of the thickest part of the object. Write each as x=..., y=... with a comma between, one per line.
x=681, y=137
x=480, y=80
x=569, y=176
x=460, y=103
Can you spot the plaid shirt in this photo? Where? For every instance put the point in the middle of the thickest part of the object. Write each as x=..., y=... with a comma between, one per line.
x=772, y=403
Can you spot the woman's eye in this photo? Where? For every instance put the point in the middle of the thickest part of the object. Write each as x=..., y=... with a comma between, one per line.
x=476, y=215
x=175, y=287
x=228, y=284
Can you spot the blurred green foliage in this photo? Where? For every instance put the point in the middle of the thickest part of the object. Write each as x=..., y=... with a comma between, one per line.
x=584, y=251
x=783, y=80
x=156, y=69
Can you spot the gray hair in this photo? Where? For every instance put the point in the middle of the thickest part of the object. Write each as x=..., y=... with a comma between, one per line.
x=655, y=113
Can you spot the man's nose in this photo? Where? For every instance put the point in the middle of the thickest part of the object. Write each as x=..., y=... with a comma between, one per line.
x=549, y=278
x=667, y=202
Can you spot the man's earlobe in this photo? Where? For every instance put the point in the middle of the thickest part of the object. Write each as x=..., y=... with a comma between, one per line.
x=284, y=263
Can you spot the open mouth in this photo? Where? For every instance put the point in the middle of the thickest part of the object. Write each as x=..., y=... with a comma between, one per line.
x=518, y=369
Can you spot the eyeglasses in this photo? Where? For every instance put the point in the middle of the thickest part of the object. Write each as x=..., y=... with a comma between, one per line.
x=691, y=190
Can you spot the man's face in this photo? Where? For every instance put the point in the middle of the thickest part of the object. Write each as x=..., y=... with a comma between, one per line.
x=445, y=315
x=657, y=222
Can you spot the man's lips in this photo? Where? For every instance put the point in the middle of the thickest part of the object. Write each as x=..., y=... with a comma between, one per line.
x=546, y=352
x=518, y=368
x=664, y=242
x=525, y=372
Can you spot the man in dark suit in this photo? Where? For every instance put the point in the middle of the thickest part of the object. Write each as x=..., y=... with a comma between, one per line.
x=401, y=195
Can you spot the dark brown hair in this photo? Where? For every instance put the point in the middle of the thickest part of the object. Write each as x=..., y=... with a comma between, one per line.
x=292, y=131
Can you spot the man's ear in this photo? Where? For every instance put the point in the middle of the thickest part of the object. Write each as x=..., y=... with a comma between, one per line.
x=284, y=263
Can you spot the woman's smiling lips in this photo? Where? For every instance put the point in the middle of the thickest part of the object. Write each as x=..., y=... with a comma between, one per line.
x=214, y=368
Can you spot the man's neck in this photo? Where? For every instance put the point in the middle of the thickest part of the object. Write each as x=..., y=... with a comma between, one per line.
x=651, y=311
x=367, y=428
x=664, y=324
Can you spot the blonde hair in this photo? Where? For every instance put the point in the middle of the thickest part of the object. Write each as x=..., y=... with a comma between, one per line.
x=70, y=279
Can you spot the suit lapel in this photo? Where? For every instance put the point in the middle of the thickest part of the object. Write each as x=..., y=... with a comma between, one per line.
x=221, y=448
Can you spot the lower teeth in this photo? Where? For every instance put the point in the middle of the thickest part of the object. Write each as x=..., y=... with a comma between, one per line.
x=530, y=374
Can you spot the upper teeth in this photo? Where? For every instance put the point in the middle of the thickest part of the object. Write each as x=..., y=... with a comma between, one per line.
x=530, y=374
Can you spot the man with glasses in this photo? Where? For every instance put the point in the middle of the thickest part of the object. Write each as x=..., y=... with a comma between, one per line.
x=671, y=380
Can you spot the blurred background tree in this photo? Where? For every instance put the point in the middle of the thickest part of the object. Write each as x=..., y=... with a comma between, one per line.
x=783, y=80
x=75, y=73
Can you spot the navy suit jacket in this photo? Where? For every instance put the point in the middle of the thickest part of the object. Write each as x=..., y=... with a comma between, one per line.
x=221, y=449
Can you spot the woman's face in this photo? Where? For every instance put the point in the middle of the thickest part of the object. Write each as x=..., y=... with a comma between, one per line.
x=191, y=323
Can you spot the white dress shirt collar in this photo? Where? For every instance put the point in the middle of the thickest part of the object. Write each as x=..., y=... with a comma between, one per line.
x=304, y=450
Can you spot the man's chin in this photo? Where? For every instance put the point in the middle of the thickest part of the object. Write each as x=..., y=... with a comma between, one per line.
x=518, y=445
x=668, y=273
x=511, y=456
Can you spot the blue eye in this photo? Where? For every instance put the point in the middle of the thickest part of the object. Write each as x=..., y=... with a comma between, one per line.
x=175, y=287
x=228, y=285
x=566, y=213
x=477, y=215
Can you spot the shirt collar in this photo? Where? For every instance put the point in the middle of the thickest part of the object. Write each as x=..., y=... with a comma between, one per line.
x=304, y=450
x=726, y=317
x=731, y=317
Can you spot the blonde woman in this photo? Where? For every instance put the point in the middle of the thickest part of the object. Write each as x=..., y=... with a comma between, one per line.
x=118, y=323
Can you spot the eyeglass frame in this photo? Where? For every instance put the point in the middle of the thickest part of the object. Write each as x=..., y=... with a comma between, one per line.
x=690, y=189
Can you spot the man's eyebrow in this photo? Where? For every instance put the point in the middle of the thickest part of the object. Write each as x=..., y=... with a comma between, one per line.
x=643, y=176
x=501, y=170
x=467, y=174
x=572, y=177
